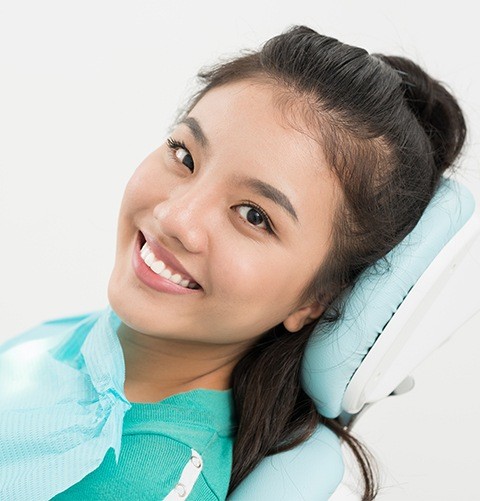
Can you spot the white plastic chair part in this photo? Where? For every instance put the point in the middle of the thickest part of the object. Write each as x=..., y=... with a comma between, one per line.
x=424, y=321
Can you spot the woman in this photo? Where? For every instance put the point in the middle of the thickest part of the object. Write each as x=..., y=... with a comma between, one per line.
x=293, y=169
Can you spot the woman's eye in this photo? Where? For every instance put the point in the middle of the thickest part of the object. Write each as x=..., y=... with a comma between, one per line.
x=255, y=216
x=181, y=153
x=184, y=156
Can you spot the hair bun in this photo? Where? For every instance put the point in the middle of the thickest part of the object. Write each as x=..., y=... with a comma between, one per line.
x=435, y=108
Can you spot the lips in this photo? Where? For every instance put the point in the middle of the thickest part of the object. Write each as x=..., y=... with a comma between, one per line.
x=167, y=257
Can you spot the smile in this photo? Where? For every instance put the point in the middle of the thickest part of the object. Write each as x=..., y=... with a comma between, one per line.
x=161, y=269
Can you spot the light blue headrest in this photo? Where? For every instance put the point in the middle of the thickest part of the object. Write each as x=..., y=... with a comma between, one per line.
x=335, y=351
x=310, y=471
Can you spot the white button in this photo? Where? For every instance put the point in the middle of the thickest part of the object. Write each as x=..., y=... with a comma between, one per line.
x=196, y=461
x=180, y=490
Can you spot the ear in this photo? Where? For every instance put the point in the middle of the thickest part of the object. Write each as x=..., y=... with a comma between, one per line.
x=302, y=316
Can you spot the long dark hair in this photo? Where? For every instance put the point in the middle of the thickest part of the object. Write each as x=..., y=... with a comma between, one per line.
x=388, y=131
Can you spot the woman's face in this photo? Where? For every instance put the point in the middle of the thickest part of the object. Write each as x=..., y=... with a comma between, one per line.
x=236, y=201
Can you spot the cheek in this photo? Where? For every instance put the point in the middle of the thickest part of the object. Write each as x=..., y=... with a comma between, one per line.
x=248, y=277
x=142, y=189
x=254, y=295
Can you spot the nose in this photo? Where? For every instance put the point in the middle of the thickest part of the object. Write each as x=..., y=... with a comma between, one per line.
x=187, y=216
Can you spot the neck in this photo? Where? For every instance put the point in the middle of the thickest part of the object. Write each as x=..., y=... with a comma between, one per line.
x=156, y=368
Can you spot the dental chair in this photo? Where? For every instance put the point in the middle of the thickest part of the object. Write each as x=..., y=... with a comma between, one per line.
x=397, y=313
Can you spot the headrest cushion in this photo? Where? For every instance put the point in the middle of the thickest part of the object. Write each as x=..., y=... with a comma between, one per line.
x=336, y=350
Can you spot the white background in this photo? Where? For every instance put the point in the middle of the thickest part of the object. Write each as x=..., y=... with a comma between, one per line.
x=88, y=89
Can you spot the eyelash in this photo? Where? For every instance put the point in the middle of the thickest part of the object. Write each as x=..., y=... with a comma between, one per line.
x=174, y=145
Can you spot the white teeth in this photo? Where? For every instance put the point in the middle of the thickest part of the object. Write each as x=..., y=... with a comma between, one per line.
x=149, y=259
x=166, y=273
x=176, y=278
x=157, y=266
x=160, y=268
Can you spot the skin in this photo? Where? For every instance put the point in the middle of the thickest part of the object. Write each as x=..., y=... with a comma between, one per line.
x=251, y=280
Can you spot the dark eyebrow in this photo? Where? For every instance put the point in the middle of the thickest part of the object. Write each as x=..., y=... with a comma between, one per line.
x=269, y=191
x=197, y=132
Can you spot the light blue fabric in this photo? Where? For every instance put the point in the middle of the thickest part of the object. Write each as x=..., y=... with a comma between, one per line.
x=335, y=351
x=62, y=404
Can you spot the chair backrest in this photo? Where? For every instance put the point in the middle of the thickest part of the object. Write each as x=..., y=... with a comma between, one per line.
x=392, y=319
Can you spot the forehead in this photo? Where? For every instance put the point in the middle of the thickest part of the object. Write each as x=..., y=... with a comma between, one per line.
x=248, y=123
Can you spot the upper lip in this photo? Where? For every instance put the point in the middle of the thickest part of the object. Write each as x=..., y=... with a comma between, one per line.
x=167, y=257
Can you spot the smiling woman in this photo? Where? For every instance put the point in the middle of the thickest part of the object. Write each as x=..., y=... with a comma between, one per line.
x=216, y=211
x=292, y=170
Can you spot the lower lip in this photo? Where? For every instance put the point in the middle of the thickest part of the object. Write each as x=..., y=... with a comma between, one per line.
x=150, y=278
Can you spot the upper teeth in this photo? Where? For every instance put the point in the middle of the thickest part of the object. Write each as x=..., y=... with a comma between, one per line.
x=160, y=268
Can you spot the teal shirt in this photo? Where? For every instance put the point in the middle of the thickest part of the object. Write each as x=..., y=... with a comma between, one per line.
x=156, y=445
